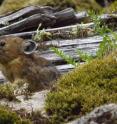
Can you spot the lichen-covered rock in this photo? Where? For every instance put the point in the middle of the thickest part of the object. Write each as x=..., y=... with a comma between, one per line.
x=106, y=114
x=83, y=89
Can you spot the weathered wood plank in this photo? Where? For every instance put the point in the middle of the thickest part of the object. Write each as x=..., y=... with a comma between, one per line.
x=74, y=42
x=85, y=28
x=28, y=23
x=69, y=47
x=65, y=17
x=64, y=68
x=28, y=35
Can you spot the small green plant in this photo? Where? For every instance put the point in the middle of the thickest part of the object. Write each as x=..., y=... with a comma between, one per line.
x=85, y=56
x=42, y=35
x=109, y=43
x=67, y=58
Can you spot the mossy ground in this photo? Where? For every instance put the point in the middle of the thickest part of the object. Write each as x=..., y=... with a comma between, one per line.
x=11, y=5
x=83, y=89
x=79, y=5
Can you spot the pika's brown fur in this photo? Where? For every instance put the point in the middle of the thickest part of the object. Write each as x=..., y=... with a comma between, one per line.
x=17, y=64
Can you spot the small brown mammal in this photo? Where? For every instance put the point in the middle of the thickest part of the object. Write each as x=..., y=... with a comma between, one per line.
x=19, y=61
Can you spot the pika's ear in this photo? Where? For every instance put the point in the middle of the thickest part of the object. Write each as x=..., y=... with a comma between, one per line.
x=29, y=47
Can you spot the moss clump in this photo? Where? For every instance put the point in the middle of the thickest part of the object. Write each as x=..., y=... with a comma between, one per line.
x=112, y=7
x=83, y=89
x=88, y=5
x=9, y=117
x=12, y=5
x=62, y=4
x=7, y=91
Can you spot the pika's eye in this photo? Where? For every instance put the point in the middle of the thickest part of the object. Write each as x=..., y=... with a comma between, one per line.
x=2, y=44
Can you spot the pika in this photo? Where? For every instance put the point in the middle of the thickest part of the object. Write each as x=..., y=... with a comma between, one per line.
x=19, y=60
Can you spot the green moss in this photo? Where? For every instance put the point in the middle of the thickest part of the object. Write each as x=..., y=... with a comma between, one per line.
x=88, y=5
x=11, y=5
x=83, y=89
x=9, y=117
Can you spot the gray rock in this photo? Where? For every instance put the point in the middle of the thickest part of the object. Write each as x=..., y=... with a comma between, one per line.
x=106, y=114
x=35, y=103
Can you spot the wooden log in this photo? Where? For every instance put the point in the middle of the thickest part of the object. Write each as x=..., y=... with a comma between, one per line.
x=33, y=21
x=110, y=20
x=55, y=31
x=28, y=23
x=24, y=13
x=65, y=17
x=82, y=17
x=61, y=16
